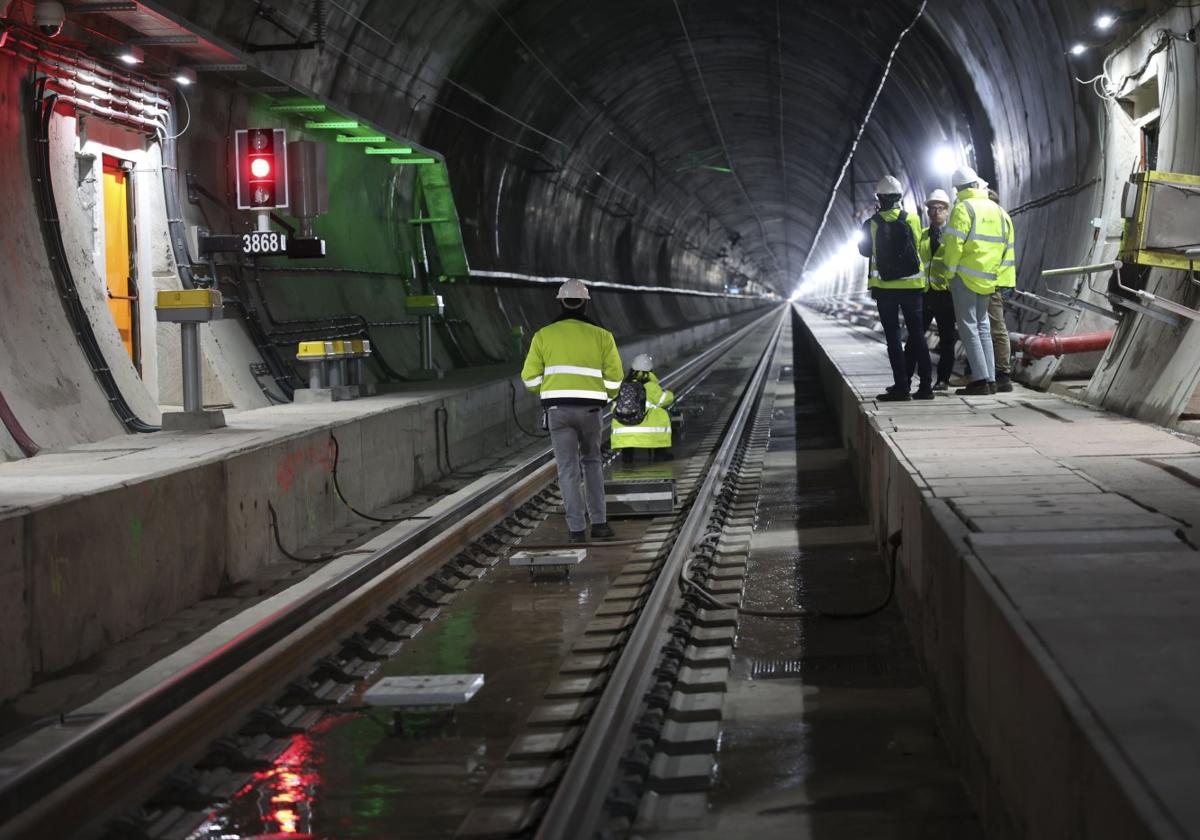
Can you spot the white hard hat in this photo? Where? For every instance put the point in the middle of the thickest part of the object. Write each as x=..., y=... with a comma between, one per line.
x=938, y=195
x=573, y=290
x=964, y=176
x=643, y=361
x=889, y=185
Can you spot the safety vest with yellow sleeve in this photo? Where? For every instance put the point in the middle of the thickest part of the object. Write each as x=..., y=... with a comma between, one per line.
x=914, y=281
x=932, y=262
x=654, y=432
x=573, y=361
x=975, y=241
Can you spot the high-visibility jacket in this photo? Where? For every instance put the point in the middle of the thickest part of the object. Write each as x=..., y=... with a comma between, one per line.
x=573, y=362
x=654, y=432
x=1007, y=277
x=932, y=262
x=975, y=241
x=914, y=281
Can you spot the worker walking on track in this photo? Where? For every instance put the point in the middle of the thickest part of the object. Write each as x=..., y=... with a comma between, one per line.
x=654, y=430
x=573, y=365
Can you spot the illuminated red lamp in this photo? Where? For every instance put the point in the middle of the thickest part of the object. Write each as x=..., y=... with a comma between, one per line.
x=262, y=168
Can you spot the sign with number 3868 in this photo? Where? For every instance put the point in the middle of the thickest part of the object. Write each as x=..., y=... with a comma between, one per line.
x=264, y=242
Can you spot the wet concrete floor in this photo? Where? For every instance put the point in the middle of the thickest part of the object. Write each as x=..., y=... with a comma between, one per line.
x=828, y=728
x=355, y=776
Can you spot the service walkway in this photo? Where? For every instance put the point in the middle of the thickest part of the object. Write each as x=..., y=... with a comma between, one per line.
x=1050, y=577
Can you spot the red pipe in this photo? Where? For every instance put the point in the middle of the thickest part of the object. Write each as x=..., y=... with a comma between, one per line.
x=16, y=429
x=1040, y=346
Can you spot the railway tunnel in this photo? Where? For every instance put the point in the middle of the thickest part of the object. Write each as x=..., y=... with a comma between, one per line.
x=271, y=272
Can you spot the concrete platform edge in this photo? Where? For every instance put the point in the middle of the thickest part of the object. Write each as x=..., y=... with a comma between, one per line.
x=1036, y=759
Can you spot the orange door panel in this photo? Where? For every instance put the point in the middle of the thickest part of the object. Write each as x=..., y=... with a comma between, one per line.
x=117, y=257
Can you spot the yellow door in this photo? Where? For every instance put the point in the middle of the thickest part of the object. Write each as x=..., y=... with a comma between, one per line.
x=118, y=264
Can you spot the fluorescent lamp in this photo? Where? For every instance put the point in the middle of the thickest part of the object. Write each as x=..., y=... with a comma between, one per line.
x=185, y=77
x=1105, y=21
x=1078, y=49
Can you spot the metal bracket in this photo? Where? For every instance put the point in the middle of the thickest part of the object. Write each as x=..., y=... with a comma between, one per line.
x=217, y=243
x=1144, y=310
x=1082, y=305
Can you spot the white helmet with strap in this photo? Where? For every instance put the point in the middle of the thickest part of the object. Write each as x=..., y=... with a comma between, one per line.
x=643, y=361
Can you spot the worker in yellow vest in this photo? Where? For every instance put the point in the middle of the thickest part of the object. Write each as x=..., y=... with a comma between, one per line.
x=654, y=432
x=974, y=247
x=891, y=240
x=573, y=365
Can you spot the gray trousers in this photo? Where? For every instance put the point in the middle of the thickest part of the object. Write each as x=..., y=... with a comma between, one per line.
x=971, y=314
x=575, y=433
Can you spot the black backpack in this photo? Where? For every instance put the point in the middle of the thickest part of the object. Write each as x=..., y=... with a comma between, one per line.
x=895, y=251
x=630, y=408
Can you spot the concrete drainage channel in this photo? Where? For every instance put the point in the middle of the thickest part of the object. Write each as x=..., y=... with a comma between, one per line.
x=66, y=790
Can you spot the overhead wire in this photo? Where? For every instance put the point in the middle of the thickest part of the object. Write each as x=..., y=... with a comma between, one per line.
x=588, y=171
x=887, y=70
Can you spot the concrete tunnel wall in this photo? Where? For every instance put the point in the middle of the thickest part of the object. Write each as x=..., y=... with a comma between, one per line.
x=48, y=383
x=576, y=146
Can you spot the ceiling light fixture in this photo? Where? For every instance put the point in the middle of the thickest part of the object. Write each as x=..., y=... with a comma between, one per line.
x=185, y=77
x=1105, y=21
x=131, y=55
x=1078, y=49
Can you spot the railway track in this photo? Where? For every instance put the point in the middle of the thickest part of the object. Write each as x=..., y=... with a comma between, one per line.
x=101, y=769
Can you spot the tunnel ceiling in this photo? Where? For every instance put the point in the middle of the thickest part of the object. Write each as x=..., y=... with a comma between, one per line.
x=689, y=142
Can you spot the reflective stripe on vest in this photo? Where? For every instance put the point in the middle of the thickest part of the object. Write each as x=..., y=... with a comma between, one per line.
x=574, y=395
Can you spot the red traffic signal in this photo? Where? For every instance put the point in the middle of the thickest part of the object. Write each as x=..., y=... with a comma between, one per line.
x=261, y=168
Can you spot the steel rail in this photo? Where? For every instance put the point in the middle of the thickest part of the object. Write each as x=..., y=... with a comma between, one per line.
x=576, y=809
x=44, y=798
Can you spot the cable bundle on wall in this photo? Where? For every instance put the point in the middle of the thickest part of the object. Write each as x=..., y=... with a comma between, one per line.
x=43, y=109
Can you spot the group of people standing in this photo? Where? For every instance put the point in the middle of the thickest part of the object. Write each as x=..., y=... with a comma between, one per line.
x=954, y=273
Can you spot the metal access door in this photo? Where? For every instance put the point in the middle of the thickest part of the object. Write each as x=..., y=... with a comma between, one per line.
x=118, y=258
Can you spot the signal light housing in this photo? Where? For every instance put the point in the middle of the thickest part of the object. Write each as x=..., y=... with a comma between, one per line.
x=262, y=181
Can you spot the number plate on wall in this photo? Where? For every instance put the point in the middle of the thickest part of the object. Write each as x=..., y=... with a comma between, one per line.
x=264, y=243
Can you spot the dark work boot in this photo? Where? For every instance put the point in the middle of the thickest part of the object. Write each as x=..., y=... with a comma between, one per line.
x=1003, y=383
x=893, y=396
x=978, y=388
x=603, y=531
x=991, y=387
x=941, y=385
x=925, y=392
x=577, y=537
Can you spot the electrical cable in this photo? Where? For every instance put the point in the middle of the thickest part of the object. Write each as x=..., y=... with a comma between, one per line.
x=60, y=268
x=325, y=558
x=894, y=542
x=337, y=487
x=512, y=390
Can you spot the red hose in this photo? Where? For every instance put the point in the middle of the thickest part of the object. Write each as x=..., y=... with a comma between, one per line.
x=1040, y=346
x=16, y=429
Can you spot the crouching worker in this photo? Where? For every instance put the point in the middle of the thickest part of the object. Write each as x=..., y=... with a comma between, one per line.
x=653, y=430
